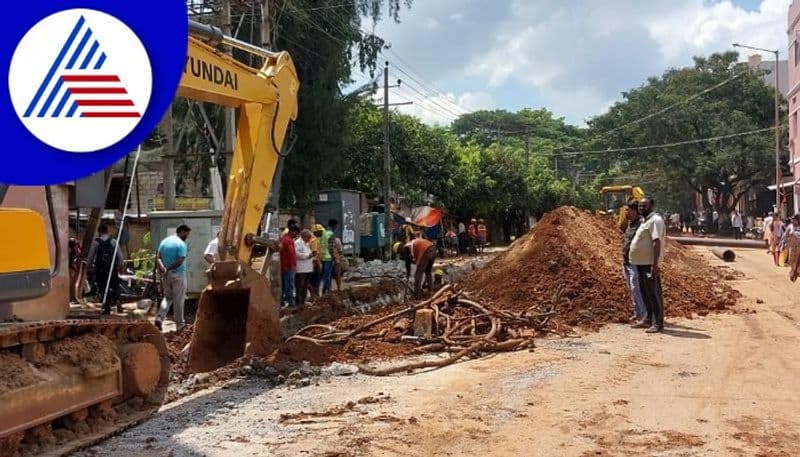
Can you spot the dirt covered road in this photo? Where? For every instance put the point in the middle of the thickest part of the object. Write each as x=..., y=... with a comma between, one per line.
x=724, y=384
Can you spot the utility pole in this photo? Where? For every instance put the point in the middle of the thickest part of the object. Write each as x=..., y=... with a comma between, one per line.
x=387, y=167
x=168, y=162
x=778, y=177
x=386, y=161
x=230, y=113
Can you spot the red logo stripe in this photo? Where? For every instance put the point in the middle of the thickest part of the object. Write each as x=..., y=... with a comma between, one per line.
x=98, y=90
x=90, y=78
x=104, y=102
x=111, y=114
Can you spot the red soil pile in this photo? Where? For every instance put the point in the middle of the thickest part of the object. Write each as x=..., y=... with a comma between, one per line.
x=581, y=252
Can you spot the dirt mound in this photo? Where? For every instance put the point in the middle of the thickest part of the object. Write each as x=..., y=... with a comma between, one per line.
x=581, y=252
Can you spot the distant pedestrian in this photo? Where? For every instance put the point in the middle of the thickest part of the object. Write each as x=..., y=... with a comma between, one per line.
x=337, y=251
x=736, y=224
x=767, y=227
x=316, y=275
x=647, y=253
x=105, y=267
x=288, y=258
x=472, y=236
x=171, y=260
x=775, y=229
x=630, y=271
x=482, y=235
x=326, y=255
x=305, y=266
x=462, y=237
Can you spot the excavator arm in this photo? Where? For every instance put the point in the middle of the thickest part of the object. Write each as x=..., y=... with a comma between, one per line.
x=267, y=101
x=236, y=312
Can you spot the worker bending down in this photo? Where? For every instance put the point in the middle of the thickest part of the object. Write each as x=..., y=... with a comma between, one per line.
x=423, y=253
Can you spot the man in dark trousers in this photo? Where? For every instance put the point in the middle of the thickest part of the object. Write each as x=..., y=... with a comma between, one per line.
x=423, y=253
x=105, y=268
x=647, y=253
x=630, y=271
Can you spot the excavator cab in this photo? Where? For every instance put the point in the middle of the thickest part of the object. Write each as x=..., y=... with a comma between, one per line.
x=614, y=199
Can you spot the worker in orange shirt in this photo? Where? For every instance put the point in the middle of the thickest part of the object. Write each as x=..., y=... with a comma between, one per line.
x=472, y=235
x=423, y=253
x=482, y=235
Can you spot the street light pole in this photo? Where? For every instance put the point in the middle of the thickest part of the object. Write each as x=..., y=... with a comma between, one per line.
x=778, y=205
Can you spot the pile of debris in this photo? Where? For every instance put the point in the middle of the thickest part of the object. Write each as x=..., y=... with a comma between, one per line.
x=376, y=269
x=447, y=322
x=581, y=252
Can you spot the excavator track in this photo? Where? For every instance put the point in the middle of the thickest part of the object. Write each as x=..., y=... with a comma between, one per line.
x=65, y=385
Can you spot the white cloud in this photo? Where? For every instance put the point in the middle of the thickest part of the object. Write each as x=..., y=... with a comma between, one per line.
x=579, y=56
x=443, y=109
x=431, y=23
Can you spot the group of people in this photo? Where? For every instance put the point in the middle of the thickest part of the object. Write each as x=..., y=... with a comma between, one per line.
x=644, y=243
x=469, y=238
x=782, y=238
x=309, y=260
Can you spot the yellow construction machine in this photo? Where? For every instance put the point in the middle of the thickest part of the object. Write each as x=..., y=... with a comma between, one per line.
x=614, y=198
x=66, y=383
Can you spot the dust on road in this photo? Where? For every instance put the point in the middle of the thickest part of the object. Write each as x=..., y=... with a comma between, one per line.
x=720, y=385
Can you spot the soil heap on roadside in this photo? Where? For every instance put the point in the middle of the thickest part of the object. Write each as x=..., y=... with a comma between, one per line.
x=582, y=253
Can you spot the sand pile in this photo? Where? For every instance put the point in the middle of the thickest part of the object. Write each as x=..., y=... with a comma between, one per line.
x=582, y=252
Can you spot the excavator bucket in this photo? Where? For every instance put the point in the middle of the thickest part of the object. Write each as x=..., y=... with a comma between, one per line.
x=236, y=315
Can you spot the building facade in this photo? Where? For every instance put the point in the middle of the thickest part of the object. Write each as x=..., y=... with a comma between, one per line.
x=793, y=52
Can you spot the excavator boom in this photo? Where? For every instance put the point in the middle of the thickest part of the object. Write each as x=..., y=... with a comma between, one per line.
x=236, y=312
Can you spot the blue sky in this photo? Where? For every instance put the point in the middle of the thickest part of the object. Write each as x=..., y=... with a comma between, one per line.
x=573, y=57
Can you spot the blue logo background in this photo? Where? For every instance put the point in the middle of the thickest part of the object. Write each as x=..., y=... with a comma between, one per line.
x=24, y=159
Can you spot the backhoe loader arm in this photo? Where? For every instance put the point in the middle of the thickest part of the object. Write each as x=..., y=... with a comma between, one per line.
x=267, y=102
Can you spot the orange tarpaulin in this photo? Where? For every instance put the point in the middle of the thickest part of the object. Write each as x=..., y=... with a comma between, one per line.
x=426, y=216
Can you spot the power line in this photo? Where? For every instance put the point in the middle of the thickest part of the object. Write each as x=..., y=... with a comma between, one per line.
x=664, y=110
x=433, y=100
x=666, y=145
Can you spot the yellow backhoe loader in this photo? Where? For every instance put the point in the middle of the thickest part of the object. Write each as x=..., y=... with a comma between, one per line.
x=66, y=383
x=614, y=198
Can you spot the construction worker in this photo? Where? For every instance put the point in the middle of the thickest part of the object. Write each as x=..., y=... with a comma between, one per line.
x=171, y=260
x=472, y=235
x=105, y=267
x=423, y=253
x=482, y=234
x=409, y=233
x=316, y=274
x=326, y=254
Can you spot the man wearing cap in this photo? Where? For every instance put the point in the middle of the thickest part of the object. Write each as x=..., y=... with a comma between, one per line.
x=423, y=253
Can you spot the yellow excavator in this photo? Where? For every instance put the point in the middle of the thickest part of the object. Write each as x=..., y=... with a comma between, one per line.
x=614, y=198
x=64, y=384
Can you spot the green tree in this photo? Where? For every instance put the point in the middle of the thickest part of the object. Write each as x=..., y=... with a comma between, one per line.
x=727, y=168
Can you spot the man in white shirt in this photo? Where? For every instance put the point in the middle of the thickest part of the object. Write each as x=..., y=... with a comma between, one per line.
x=647, y=253
x=736, y=223
x=305, y=266
x=211, y=254
x=768, y=230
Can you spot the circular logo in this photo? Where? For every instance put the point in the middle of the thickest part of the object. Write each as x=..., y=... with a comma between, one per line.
x=88, y=81
x=80, y=80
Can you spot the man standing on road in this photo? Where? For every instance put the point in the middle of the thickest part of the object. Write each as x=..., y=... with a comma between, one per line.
x=305, y=265
x=736, y=223
x=647, y=253
x=326, y=255
x=172, y=264
x=630, y=271
x=288, y=258
x=767, y=227
x=105, y=267
x=211, y=254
